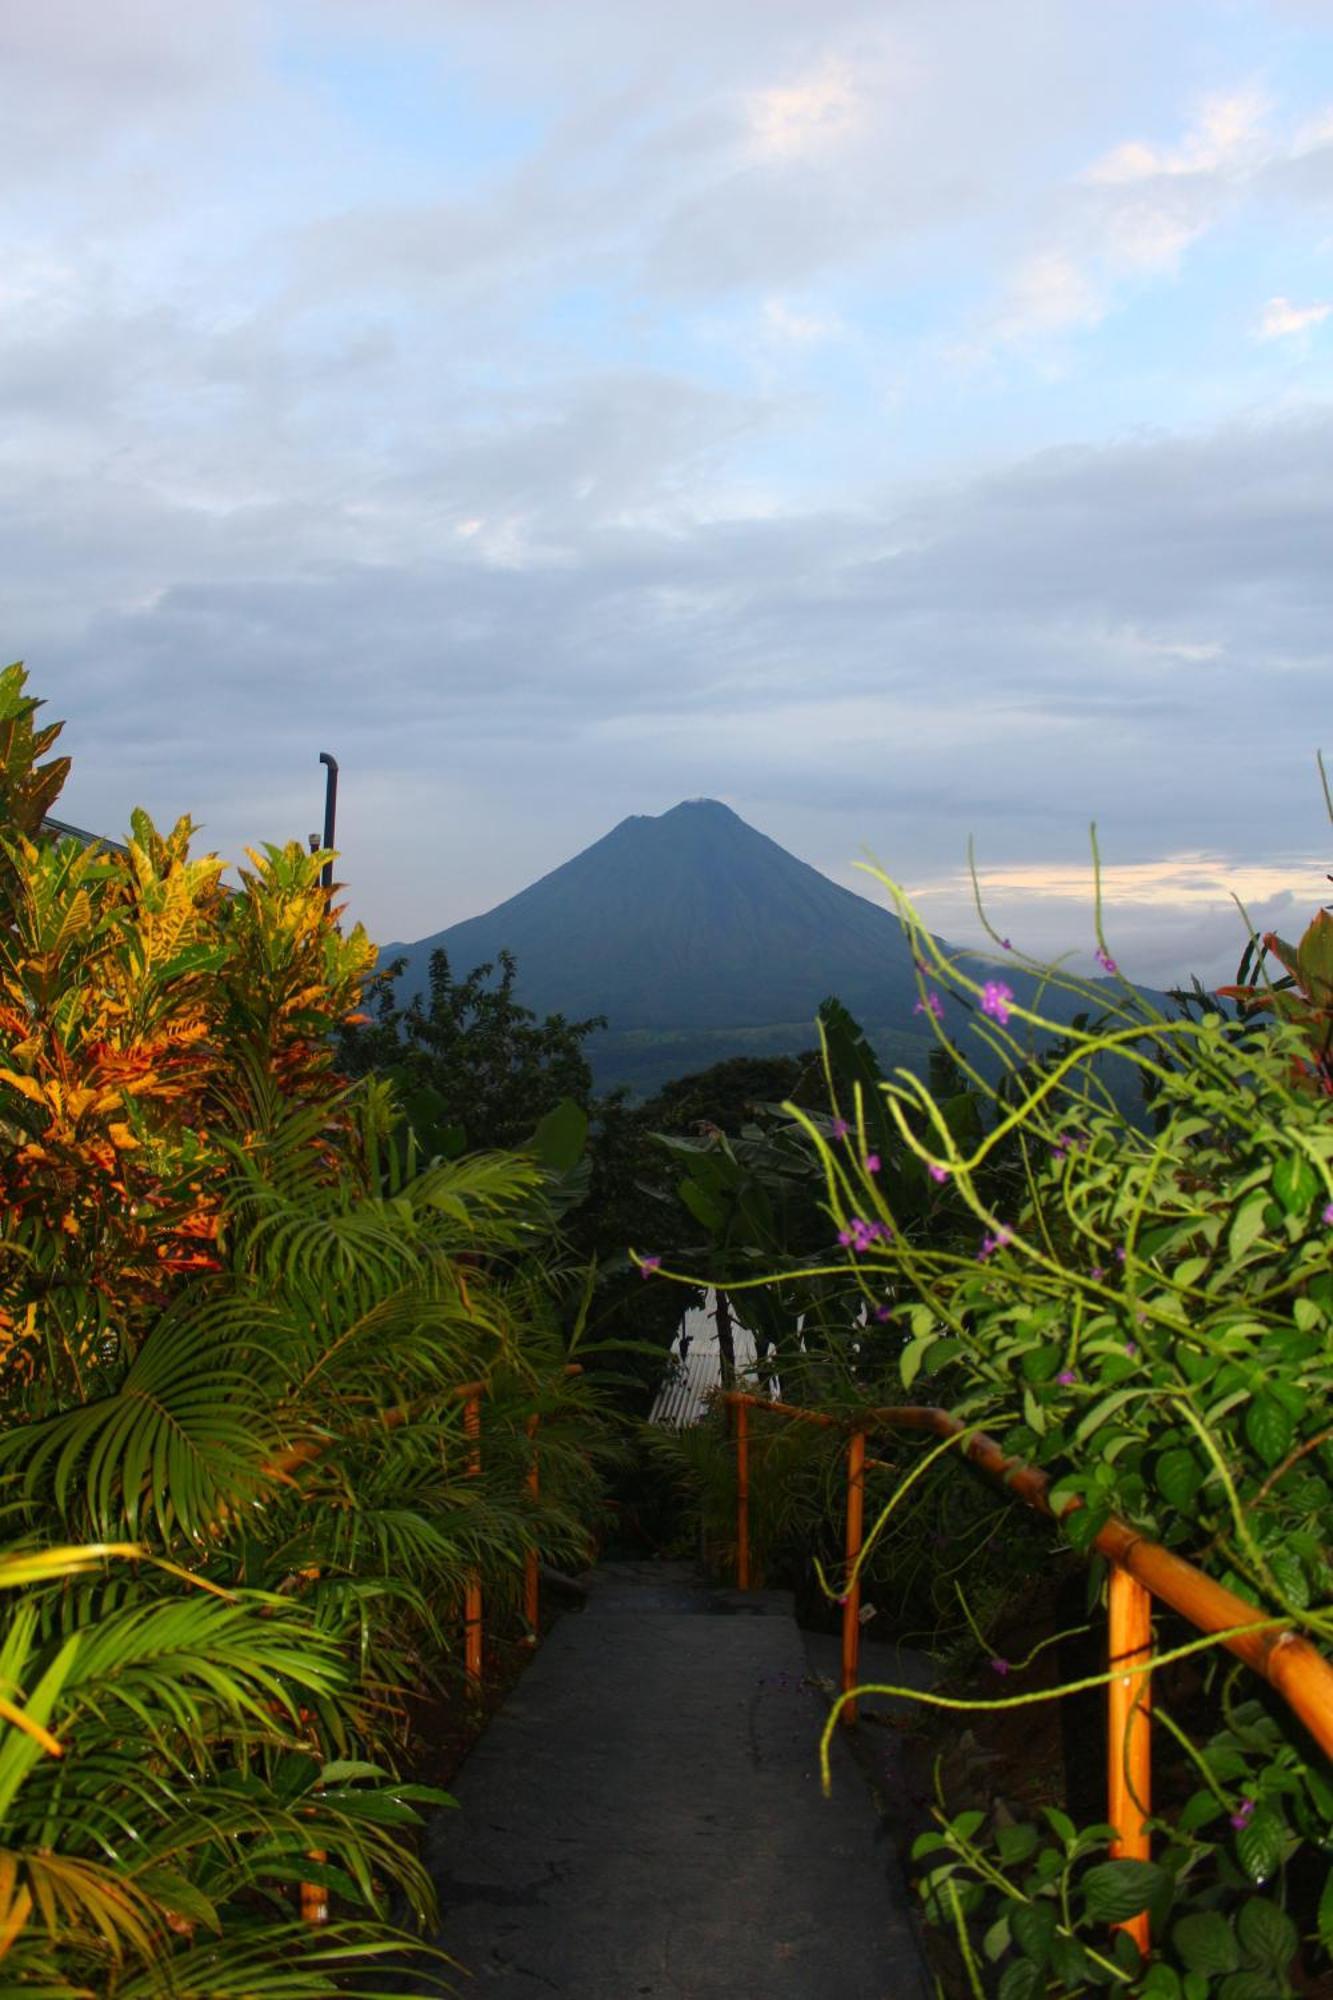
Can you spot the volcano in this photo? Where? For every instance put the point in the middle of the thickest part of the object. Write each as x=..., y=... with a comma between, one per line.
x=698, y=938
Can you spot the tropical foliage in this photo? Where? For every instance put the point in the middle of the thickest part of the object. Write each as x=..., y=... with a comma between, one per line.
x=1142, y=1306
x=237, y=1308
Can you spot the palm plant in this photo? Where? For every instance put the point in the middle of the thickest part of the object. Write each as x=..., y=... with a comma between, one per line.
x=236, y=1312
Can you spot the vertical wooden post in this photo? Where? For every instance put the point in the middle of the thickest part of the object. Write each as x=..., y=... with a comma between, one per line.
x=1128, y=1730
x=472, y=1633
x=742, y=1416
x=532, y=1603
x=314, y=1896
x=851, y=1603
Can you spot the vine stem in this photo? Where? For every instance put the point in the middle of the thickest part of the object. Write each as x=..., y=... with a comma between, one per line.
x=1121, y=1669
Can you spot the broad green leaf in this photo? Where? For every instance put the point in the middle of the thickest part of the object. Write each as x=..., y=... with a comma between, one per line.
x=1259, y=1845
x=1206, y=1942
x=1034, y=1925
x=1083, y=1526
x=1116, y=1890
x=1295, y=1183
x=1248, y=1224
x=561, y=1136
x=1022, y=1980
x=1015, y=1843
x=1269, y=1429
x=1179, y=1477
x=912, y=1356
x=996, y=1941
x=1267, y=1934
x=1069, y=1961
x=1101, y=1411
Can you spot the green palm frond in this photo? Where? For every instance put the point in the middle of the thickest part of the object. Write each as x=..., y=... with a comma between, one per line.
x=346, y=1961
x=183, y=1438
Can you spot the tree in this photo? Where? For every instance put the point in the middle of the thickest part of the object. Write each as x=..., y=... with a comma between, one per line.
x=471, y=1066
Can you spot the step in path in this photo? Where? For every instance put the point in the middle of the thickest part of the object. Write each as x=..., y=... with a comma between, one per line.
x=644, y=1817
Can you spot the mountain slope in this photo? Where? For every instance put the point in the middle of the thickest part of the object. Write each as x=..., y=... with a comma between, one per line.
x=691, y=920
x=699, y=939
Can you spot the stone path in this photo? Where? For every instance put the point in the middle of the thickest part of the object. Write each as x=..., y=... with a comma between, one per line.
x=644, y=1818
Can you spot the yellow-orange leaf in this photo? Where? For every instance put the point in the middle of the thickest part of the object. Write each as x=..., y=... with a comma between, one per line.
x=26, y=1086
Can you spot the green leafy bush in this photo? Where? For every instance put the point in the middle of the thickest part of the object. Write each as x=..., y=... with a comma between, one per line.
x=236, y=1311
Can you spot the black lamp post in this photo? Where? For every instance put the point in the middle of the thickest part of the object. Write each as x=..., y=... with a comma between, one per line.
x=330, y=811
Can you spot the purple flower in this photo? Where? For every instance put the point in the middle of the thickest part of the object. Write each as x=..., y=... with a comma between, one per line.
x=872, y=1163
x=999, y=1241
x=1243, y=1815
x=1005, y=945
x=1068, y=1377
x=1131, y=1348
x=938, y=1173
x=883, y=1312
x=995, y=998
x=1119, y=1256
x=860, y=1234
x=647, y=1265
x=1097, y=1272
x=1328, y=1215
x=840, y=1128
x=1105, y=960
x=999, y=1666
x=932, y=1004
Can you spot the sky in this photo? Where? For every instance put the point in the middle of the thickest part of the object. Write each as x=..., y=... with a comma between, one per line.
x=908, y=421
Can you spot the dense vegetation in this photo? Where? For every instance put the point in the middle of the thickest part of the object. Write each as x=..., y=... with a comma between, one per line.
x=253, y=1242
x=236, y=1304
x=1142, y=1307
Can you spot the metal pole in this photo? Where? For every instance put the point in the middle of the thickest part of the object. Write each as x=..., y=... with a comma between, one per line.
x=330, y=811
x=851, y=1603
x=1128, y=1730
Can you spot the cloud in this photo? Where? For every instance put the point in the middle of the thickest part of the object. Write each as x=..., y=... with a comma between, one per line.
x=1133, y=213
x=803, y=120
x=789, y=326
x=1049, y=294
x=1281, y=318
x=1228, y=134
x=513, y=421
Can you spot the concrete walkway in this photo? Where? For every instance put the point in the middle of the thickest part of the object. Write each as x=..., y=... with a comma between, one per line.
x=644, y=1818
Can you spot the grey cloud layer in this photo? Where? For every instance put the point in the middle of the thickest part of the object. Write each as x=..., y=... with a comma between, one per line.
x=293, y=462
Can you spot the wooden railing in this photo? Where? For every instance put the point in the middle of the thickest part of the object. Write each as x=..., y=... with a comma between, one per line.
x=1140, y=1569
x=313, y=1897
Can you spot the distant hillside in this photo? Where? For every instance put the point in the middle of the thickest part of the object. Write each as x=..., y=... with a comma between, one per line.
x=699, y=938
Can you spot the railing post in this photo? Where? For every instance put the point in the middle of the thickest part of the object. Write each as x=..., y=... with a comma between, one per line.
x=742, y=1416
x=472, y=1632
x=314, y=1896
x=1128, y=1729
x=851, y=1602
x=532, y=1603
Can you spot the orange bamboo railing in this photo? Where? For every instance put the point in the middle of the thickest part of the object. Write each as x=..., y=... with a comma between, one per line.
x=1140, y=1570
x=314, y=1898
